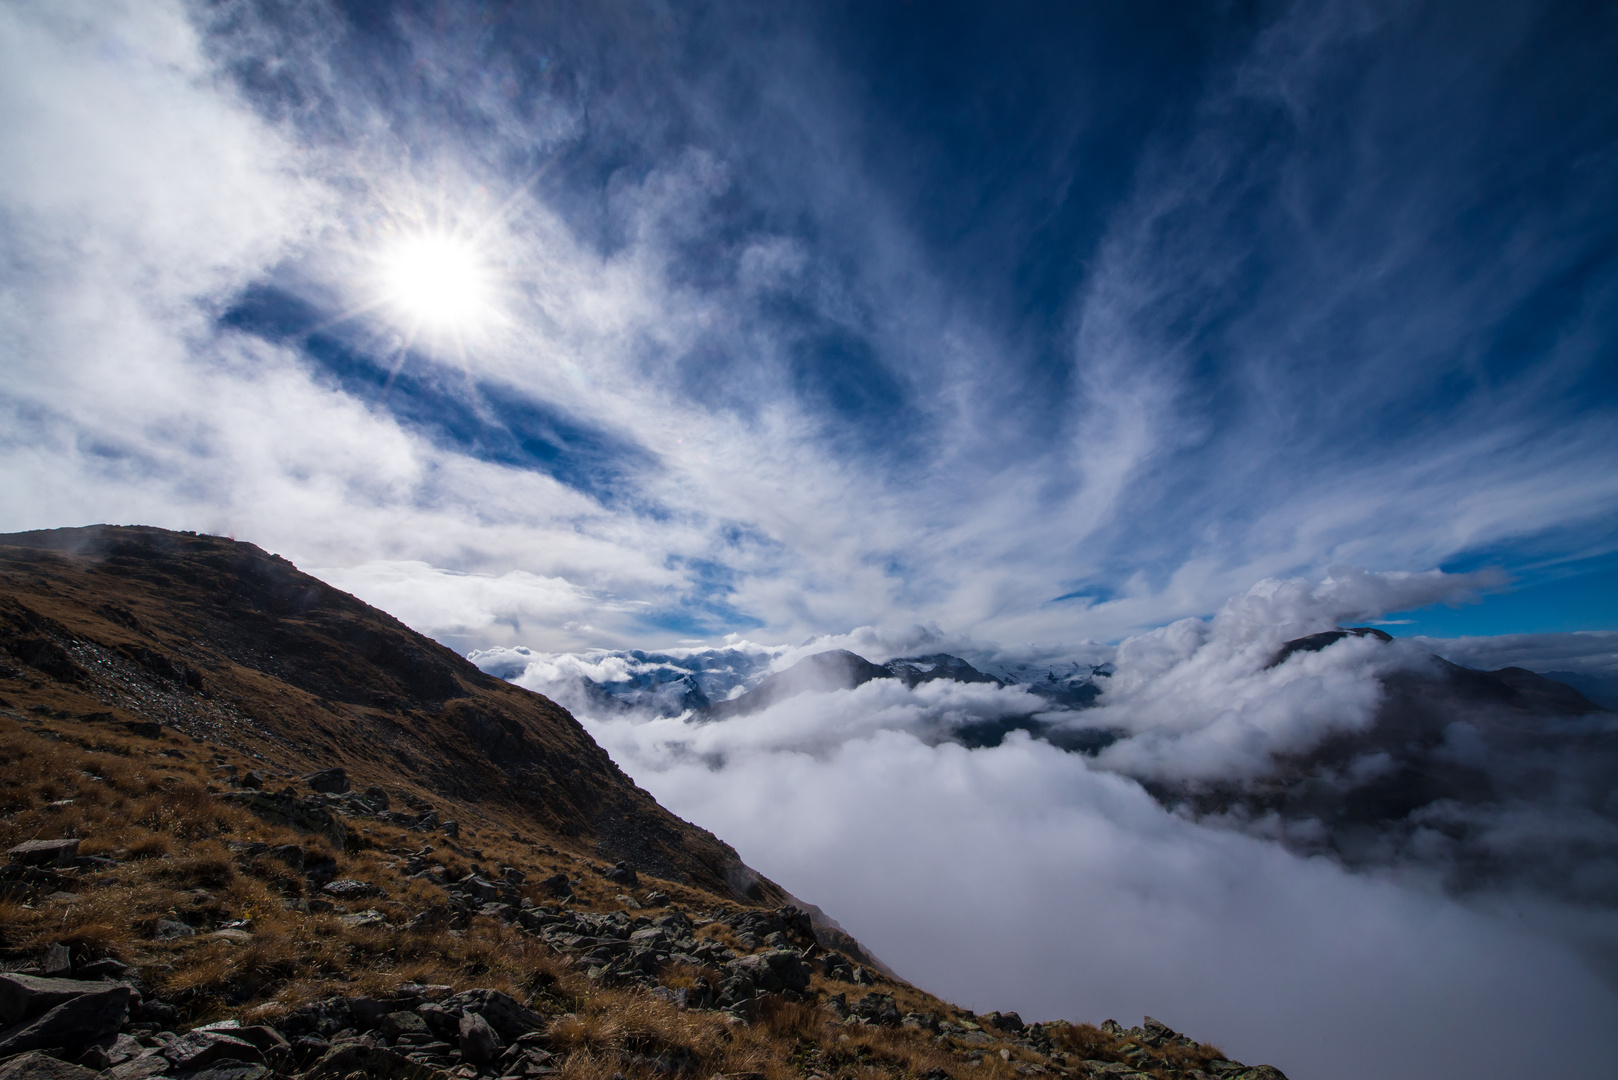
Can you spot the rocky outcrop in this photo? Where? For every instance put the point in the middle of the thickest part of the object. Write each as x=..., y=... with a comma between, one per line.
x=73, y=1029
x=47, y=1013
x=45, y=852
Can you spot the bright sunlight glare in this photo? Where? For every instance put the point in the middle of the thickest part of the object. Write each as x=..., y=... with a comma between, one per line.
x=438, y=281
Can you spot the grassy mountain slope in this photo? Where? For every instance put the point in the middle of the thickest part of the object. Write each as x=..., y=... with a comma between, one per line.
x=258, y=802
x=219, y=640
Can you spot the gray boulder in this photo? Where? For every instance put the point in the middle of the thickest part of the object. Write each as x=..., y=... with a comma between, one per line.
x=367, y=1011
x=58, y=963
x=318, y=1019
x=350, y=889
x=196, y=1049
x=115, y=970
x=439, y=1020
x=35, y=1065
x=90, y=1015
x=877, y=1009
x=479, y=1043
x=366, y=1059
x=332, y=781
x=481, y=890
x=396, y=1024
x=23, y=996
x=151, y=1063
x=45, y=852
x=504, y=1013
x=771, y=972
x=233, y=1070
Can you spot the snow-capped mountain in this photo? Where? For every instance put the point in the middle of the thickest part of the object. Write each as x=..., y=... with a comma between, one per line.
x=609, y=682
x=719, y=683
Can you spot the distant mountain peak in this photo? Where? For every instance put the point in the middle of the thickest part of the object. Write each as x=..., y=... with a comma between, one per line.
x=1316, y=642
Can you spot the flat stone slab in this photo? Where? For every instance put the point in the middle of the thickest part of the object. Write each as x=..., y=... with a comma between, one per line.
x=22, y=996
x=81, y=1019
x=35, y=1065
x=44, y=852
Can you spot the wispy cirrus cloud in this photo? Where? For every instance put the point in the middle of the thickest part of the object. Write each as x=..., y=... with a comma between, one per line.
x=738, y=380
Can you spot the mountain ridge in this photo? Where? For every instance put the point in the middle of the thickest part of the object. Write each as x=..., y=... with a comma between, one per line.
x=272, y=655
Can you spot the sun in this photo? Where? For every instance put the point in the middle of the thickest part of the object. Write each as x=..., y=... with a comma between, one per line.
x=437, y=281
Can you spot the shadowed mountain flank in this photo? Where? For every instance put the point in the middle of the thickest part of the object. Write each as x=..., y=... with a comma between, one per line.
x=223, y=641
x=1316, y=642
x=1489, y=777
x=837, y=669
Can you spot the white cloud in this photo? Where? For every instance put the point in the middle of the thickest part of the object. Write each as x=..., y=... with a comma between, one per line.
x=1019, y=877
x=1205, y=699
x=1023, y=877
x=547, y=611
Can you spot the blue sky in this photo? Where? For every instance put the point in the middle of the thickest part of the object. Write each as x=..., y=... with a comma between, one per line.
x=1577, y=596
x=1035, y=322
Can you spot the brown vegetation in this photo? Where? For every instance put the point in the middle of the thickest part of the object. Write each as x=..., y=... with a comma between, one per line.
x=182, y=855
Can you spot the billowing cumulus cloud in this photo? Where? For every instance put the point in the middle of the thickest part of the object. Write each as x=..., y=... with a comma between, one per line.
x=1208, y=699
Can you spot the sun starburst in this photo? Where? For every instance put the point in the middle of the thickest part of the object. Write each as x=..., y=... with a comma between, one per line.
x=436, y=282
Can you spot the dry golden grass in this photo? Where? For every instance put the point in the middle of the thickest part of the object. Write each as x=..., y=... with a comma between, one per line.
x=1090, y=1043
x=785, y=1019
x=686, y=976
x=583, y=1065
x=183, y=856
x=721, y=933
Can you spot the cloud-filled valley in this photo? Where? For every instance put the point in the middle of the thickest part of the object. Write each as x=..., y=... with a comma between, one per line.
x=1097, y=348
x=1442, y=842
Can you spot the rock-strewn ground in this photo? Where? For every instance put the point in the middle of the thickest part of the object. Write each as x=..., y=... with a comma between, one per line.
x=213, y=872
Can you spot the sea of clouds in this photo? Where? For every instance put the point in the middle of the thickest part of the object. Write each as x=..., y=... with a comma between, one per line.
x=1021, y=876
